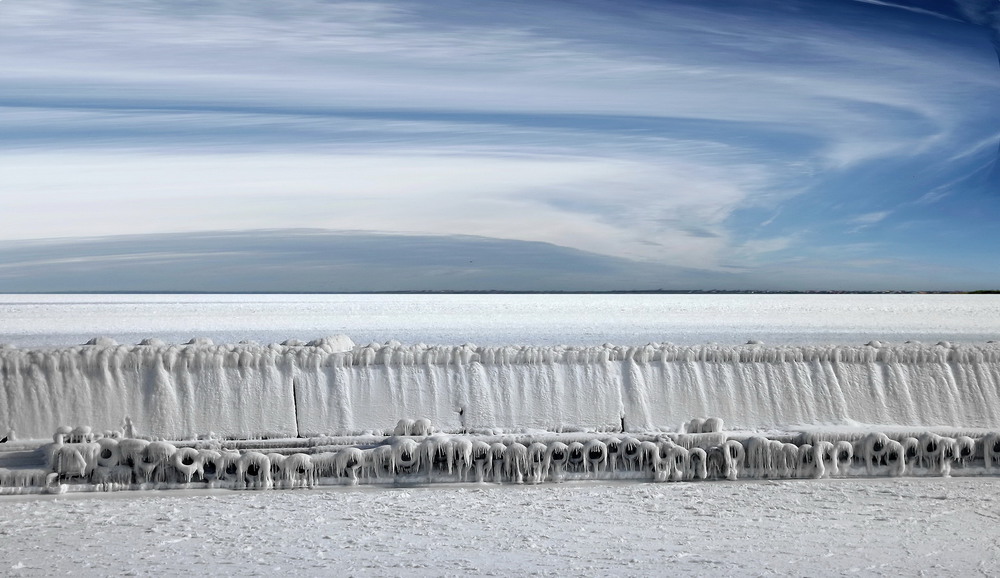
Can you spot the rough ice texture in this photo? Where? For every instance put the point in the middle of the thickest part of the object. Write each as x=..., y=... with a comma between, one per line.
x=887, y=527
x=167, y=391
x=249, y=390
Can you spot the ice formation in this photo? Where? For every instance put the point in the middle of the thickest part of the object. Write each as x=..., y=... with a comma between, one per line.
x=304, y=414
x=95, y=462
x=332, y=387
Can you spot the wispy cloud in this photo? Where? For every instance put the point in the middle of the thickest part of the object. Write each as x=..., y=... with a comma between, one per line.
x=870, y=218
x=914, y=9
x=566, y=200
x=662, y=133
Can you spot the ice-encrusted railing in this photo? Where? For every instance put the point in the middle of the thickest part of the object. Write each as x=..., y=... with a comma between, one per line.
x=80, y=460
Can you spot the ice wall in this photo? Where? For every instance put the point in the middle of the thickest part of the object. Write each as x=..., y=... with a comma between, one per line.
x=168, y=391
x=331, y=386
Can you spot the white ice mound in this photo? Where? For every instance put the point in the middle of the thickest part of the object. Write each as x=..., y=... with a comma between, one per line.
x=333, y=344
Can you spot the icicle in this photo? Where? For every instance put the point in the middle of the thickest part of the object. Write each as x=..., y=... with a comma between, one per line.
x=631, y=453
x=481, y=459
x=895, y=458
x=826, y=457
x=132, y=454
x=597, y=456
x=462, y=449
x=382, y=461
x=325, y=464
x=805, y=463
x=227, y=470
x=965, y=450
x=348, y=462
x=649, y=456
x=930, y=450
x=760, y=457
x=615, y=460
x=298, y=469
x=991, y=451
x=154, y=461
x=516, y=462
x=210, y=460
x=679, y=463
x=537, y=467
x=842, y=456
x=498, y=455
x=556, y=458
x=716, y=462
x=664, y=464
x=787, y=459
x=278, y=476
x=109, y=478
x=949, y=453
x=872, y=450
x=254, y=471
x=698, y=460
x=734, y=455
x=188, y=462
x=576, y=460
x=405, y=456
x=774, y=383
x=67, y=461
x=436, y=454
x=911, y=450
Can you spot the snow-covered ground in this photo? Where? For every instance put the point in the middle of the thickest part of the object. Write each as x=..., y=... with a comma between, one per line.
x=888, y=527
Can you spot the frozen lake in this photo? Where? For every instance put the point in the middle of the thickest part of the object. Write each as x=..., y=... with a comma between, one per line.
x=879, y=527
x=888, y=526
x=40, y=320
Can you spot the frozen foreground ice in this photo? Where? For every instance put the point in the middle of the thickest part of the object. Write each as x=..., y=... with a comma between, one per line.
x=888, y=527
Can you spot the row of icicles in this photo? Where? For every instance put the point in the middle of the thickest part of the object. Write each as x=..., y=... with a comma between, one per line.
x=416, y=455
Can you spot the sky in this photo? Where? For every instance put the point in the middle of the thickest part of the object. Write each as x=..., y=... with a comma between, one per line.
x=536, y=145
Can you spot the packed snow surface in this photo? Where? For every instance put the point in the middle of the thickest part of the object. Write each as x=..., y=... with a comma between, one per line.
x=872, y=527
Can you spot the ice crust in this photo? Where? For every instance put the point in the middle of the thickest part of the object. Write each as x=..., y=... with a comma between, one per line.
x=81, y=460
x=837, y=527
x=332, y=386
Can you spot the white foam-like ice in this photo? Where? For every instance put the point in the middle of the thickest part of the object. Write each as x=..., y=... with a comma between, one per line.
x=330, y=387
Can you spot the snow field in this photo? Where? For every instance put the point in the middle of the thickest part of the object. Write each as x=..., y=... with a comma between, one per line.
x=872, y=527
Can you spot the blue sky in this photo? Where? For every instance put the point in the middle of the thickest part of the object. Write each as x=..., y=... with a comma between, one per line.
x=793, y=144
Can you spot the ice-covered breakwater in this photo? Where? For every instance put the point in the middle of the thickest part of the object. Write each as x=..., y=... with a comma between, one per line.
x=332, y=386
x=81, y=460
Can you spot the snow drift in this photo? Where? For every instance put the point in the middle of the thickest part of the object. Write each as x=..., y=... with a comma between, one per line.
x=331, y=386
